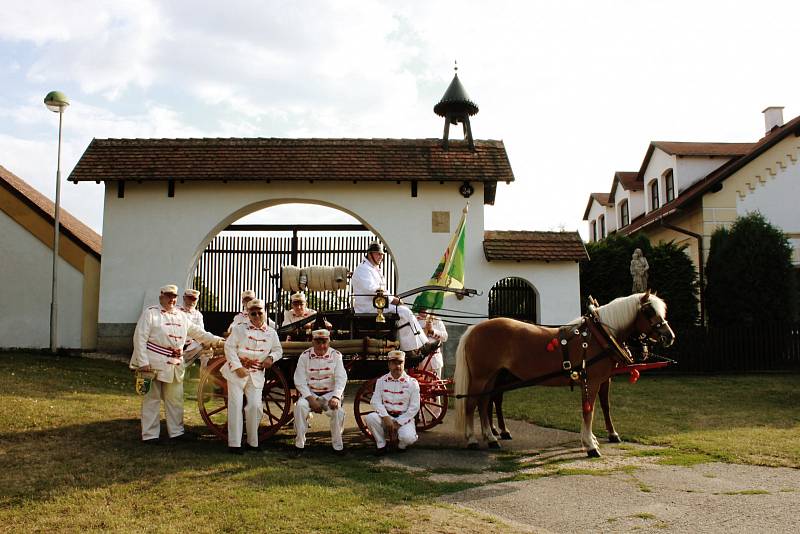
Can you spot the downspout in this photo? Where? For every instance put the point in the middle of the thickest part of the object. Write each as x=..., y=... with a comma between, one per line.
x=700, y=262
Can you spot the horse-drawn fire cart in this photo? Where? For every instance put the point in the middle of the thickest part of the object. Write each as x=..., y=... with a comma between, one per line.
x=364, y=339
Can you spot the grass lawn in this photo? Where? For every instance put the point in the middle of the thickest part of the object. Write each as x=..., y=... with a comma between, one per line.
x=71, y=460
x=753, y=419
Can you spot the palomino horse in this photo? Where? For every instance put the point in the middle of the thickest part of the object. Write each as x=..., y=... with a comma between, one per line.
x=581, y=353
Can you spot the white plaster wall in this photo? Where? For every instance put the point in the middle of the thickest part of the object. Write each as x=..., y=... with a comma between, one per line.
x=557, y=286
x=595, y=212
x=770, y=184
x=660, y=161
x=25, y=285
x=689, y=170
x=150, y=239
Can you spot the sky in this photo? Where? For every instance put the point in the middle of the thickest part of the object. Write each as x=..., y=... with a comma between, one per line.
x=576, y=90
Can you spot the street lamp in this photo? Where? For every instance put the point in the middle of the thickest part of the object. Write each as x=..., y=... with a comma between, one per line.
x=57, y=102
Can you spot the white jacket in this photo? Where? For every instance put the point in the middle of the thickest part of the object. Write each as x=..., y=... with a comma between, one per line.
x=396, y=397
x=253, y=343
x=159, y=339
x=316, y=375
x=367, y=279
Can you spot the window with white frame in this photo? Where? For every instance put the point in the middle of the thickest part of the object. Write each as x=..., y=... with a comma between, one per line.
x=654, y=202
x=669, y=186
x=624, y=214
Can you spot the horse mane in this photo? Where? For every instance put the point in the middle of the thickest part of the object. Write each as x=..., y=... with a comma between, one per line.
x=621, y=312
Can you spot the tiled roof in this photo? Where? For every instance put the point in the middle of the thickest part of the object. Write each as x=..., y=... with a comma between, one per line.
x=691, y=149
x=628, y=180
x=698, y=189
x=70, y=225
x=677, y=148
x=604, y=199
x=533, y=246
x=266, y=159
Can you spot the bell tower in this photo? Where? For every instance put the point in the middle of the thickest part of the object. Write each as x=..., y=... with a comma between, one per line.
x=456, y=107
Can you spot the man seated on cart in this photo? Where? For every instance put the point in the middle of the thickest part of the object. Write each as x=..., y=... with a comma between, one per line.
x=366, y=281
x=320, y=378
x=298, y=312
x=396, y=403
x=242, y=317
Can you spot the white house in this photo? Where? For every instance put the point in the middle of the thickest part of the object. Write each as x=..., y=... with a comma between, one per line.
x=26, y=249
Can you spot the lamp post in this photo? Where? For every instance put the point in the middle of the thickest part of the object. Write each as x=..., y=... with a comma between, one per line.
x=57, y=102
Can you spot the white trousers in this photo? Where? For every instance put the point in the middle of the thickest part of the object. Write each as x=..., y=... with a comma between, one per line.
x=252, y=412
x=302, y=411
x=172, y=395
x=409, y=333
x=406, y=434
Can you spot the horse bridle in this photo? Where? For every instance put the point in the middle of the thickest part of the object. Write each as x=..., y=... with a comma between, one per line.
x=654, y=322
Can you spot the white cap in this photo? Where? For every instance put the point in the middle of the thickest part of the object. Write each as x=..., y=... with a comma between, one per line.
x=170, y=288
x=298, y=296
x=322, y=332
x=397, y=355
x=248, y=293
x=191, y=293
x=255, y=303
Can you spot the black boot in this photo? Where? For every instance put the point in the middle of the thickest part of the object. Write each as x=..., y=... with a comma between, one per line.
x=429, y=347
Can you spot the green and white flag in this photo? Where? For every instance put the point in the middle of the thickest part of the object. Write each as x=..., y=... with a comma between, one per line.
x=449, y=272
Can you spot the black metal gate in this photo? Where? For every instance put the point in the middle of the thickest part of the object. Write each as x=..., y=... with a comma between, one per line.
x=234, y=261
x=514, y=298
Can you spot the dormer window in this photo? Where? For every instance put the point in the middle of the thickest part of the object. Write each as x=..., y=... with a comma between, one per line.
x=669, y=185
x=654, y=202
x=624, y=214
x=602, y=221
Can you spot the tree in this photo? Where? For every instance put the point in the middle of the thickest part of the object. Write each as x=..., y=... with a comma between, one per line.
x=207, y=300
x=672, y=275
x=749, y=274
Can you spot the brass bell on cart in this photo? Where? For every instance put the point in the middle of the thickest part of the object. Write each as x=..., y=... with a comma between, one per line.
x=380, y=302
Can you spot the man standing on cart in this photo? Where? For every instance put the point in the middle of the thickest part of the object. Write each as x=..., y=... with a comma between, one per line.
x=249, y=350
x=396, y=403
x=158, y=343
x=320, y=379
x=366, y=281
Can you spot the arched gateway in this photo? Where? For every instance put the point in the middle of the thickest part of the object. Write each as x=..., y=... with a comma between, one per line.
x=165, y=199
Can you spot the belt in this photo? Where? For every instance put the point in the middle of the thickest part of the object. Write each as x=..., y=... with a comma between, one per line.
x=325, y=392
x=173, y=354
x=394, y=414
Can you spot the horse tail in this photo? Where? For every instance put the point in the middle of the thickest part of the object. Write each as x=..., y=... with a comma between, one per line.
x=461, y=378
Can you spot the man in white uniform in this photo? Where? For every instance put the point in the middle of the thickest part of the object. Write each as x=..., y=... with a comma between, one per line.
x=435, y=330
x=320, y=379
x=366, y=280
x=396, y=403
x=158, y=347
x=249, y=350
x=242, y=317
x=299, y=310
x=189, y=307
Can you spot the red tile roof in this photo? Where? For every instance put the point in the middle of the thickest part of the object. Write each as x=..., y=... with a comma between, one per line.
x=71, y=226
x=698, y=189
x=604, y=199
x=265, y=159
x=693, y=149
x=533, y=246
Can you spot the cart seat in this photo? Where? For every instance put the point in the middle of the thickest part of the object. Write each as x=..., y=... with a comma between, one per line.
x=365, y=325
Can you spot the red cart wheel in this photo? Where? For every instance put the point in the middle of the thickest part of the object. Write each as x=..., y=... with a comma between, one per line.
x=212, y=400
x=362, y=406
x=432, y=399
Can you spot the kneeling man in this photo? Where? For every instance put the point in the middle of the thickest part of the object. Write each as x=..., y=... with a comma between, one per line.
x=396, y=403
x=320, y=379
x=251, y=348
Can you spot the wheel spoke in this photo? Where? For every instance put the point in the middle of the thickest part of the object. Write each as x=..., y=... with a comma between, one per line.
x=214, y=412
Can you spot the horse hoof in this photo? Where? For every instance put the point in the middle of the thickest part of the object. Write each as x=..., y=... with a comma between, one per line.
x=495, y=432
x=594, y=453
x=505, y=435
x=494, y=445
x=473, y=446
x=614, y=438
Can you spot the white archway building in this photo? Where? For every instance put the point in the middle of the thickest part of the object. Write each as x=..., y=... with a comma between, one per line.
x=167, y=198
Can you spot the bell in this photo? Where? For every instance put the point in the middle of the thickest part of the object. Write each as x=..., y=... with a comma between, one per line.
x=380, y=318
x=574, y=375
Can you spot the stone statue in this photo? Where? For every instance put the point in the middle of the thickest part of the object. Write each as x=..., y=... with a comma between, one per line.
x=639, y=268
